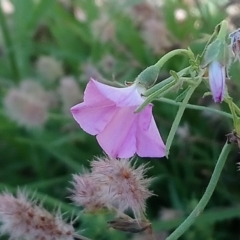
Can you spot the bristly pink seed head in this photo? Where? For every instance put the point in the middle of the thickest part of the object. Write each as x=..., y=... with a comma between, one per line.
x=23, y=219
x=124, y=184
x=87, y=193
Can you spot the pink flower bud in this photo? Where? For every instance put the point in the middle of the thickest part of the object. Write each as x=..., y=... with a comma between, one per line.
x=217, y=78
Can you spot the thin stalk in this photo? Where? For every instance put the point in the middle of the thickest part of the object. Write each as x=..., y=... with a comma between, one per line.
x=196, y=107
x=158, y=94
x=171, y=54
x=166, y=81
x=206, y=196
x=179, y=116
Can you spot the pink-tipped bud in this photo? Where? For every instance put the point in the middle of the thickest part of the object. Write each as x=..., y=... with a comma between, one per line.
x=23, y=219
x=217, y=79
x=124, y=185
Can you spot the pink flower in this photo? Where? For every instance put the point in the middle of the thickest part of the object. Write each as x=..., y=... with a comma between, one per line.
x=217, y=80
x=108, y=112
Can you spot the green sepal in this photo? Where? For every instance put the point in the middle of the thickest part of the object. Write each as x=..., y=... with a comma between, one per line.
x=148, y=77
x=237, y=125
x=212, y=52
x=224, y=56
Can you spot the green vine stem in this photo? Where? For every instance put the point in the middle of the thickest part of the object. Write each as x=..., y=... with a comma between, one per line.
x=179, y=116
x=171, y=54
x=196, y=107
x=206, y=196
x=166, y=81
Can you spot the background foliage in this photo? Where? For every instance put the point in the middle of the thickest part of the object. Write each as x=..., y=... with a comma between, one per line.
x=48, y=51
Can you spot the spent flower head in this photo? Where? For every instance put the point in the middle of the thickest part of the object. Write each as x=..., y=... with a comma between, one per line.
x=24, y=219
x=123, y=183
x=235, y=44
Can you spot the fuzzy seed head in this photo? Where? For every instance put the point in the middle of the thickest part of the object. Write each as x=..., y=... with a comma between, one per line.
x=87, y=192
x=27, y=105
x=124, y=183
x=70, y=93
x=90, y=71
x=103, y=29
x=49, y=68
x=156, y=35
x=23, y=219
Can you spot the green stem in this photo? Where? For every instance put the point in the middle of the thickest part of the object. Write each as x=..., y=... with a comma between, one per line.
x=166, y=81
x=206, y=196
x=196, y=107
x=9, y=44
x=179, y=116
x=158, y=94
x=236, y=108
x=171, y=54
x=230, y=103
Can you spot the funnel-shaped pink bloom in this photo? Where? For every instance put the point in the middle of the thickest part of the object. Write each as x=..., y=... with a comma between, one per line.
x=108, y=112
x=217, y=78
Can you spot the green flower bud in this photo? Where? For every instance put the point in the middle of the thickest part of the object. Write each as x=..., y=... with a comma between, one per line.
x=148, y=77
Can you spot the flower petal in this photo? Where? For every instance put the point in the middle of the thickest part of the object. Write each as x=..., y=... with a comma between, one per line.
x=93, y=119
x=128, y=96
x=149, y=141
x=93, y=96
x=118, y=139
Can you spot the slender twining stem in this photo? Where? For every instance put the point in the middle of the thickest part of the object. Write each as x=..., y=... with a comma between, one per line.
x=166, y=81
x=9, y=44
x=206, y=196
x=196, y=107
x=235, y=113
x=171, y=54
x=179, y=116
